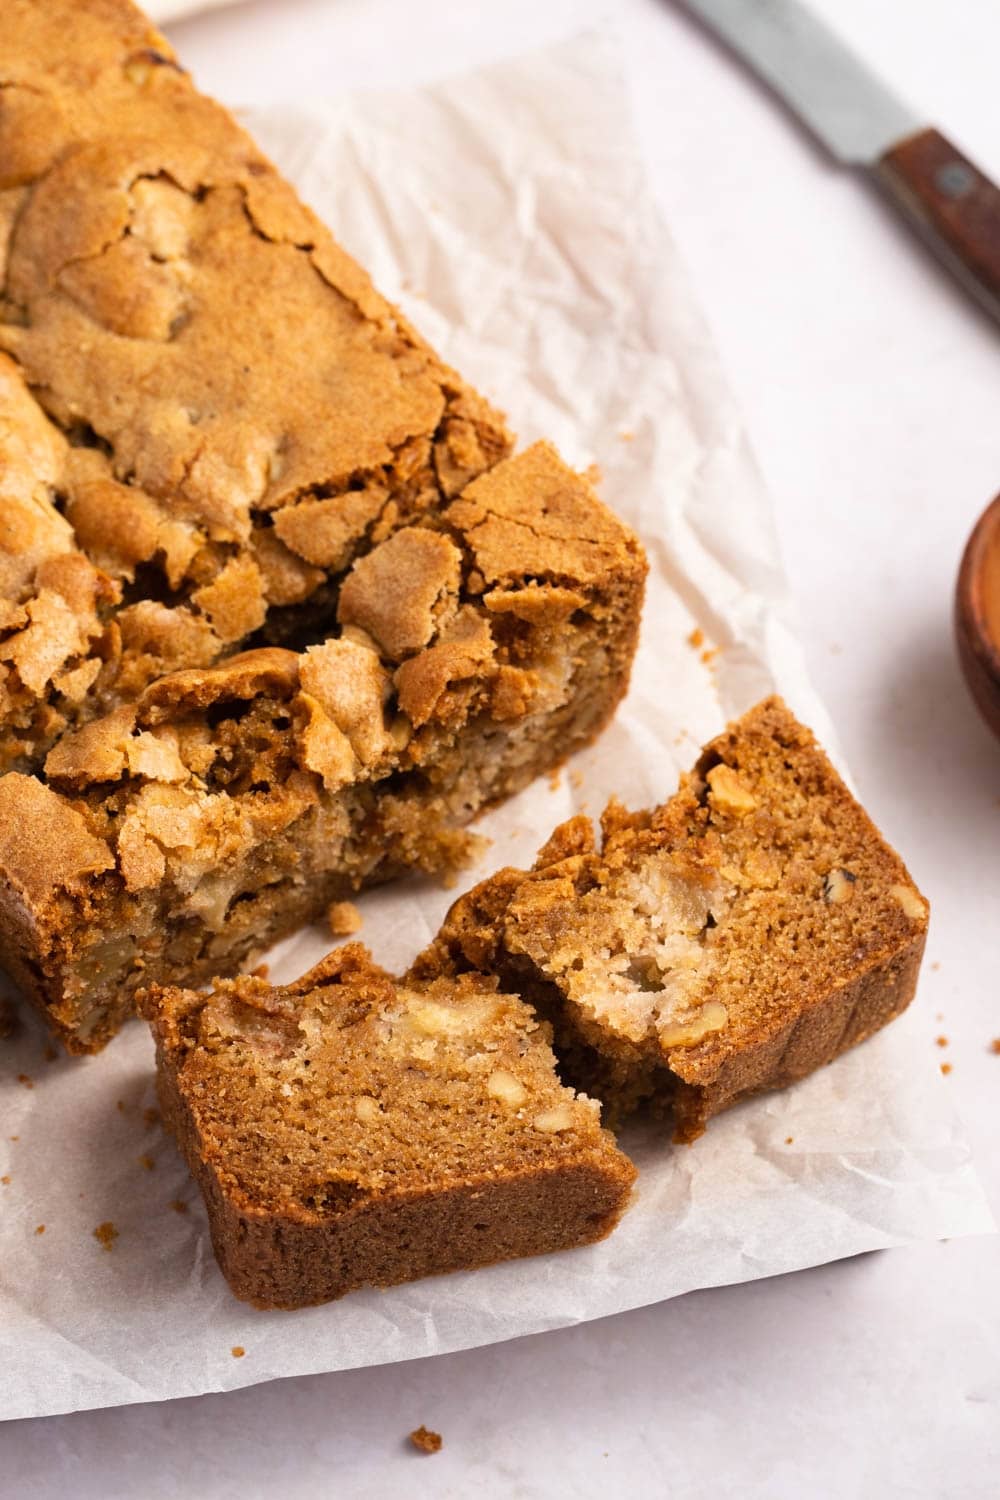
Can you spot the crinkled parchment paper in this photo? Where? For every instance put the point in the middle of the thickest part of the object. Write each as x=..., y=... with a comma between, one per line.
x=508, y=213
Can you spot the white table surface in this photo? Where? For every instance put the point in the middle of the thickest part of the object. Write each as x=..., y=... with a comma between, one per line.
x=872, y=394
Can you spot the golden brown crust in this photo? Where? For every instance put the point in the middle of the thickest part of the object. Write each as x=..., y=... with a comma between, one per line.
x=234, y=800
x=399, y=1132
x=734, y=939
x=221, y=406
x=215, y=434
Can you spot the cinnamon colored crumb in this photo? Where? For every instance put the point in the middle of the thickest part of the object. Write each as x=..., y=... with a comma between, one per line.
x=28, y=1082
x=5, y=1179
x=343, y=918
x=696, y=638
x=15, y=1137
x=40, y=1229
x=106, y=1234
x=709, y=655
x=237, y=1351
x=946, y=1068
x=995, y=1045
x=427, y=1441
x=789, y=1140
x=150, y=1117
x=145, y=1160
x=942, y=1041
x=179, y=1206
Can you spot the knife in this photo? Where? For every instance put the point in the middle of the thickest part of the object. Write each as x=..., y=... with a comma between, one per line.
x=953, y=206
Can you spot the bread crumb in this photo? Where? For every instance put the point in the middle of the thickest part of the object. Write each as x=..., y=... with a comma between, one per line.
x=995, y=1045
x=789, y=1140
x=696, y=638
x=5, y=1179
x=709, y=655
x=106, y=1234
x=946, y=1068
x=237, y=1351
x=145, y=1160
x=150, y=1117
x=15, y=1137
x=935, y=966
x=343, y=918
x=40, y=1229
x=942, y=1041
x=179, y=1206
x=28, y=1082
x=427, y=1441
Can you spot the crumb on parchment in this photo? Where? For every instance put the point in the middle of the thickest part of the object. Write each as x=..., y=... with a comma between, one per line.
x=343, y=918
x=106, y=1234
x=946, y=1068
x=29, y=1083
x=237, y=1351
x=427, y=1441
x=942, y=1041
x=995, y=1045
x=40, y=1229
x=696, y=639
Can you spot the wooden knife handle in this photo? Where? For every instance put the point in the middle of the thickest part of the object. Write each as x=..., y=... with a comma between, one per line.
x=953, y=205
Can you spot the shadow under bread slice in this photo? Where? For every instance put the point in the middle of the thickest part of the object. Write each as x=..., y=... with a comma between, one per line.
x=351, y=1130
x=734, y=939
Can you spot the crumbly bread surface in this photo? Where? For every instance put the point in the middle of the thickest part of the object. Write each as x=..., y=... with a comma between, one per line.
x=734, y=939
x=180, y=833
x=206, y=409
x=217, y=440
x=349, y=1130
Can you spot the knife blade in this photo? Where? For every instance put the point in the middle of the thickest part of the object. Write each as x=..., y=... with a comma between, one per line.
x=950, y=202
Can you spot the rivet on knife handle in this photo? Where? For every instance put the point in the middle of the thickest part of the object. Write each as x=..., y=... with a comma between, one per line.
x=954, y=206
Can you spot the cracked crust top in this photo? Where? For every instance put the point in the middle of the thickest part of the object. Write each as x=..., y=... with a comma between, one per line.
x=233, y=411
x=207, y=760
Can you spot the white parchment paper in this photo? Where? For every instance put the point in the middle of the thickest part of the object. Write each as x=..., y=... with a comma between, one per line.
x=508, y=213
x=162, y=11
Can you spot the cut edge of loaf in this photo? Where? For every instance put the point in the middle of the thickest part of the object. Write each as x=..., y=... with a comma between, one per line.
x=568, y=1194
x=690, y=1070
